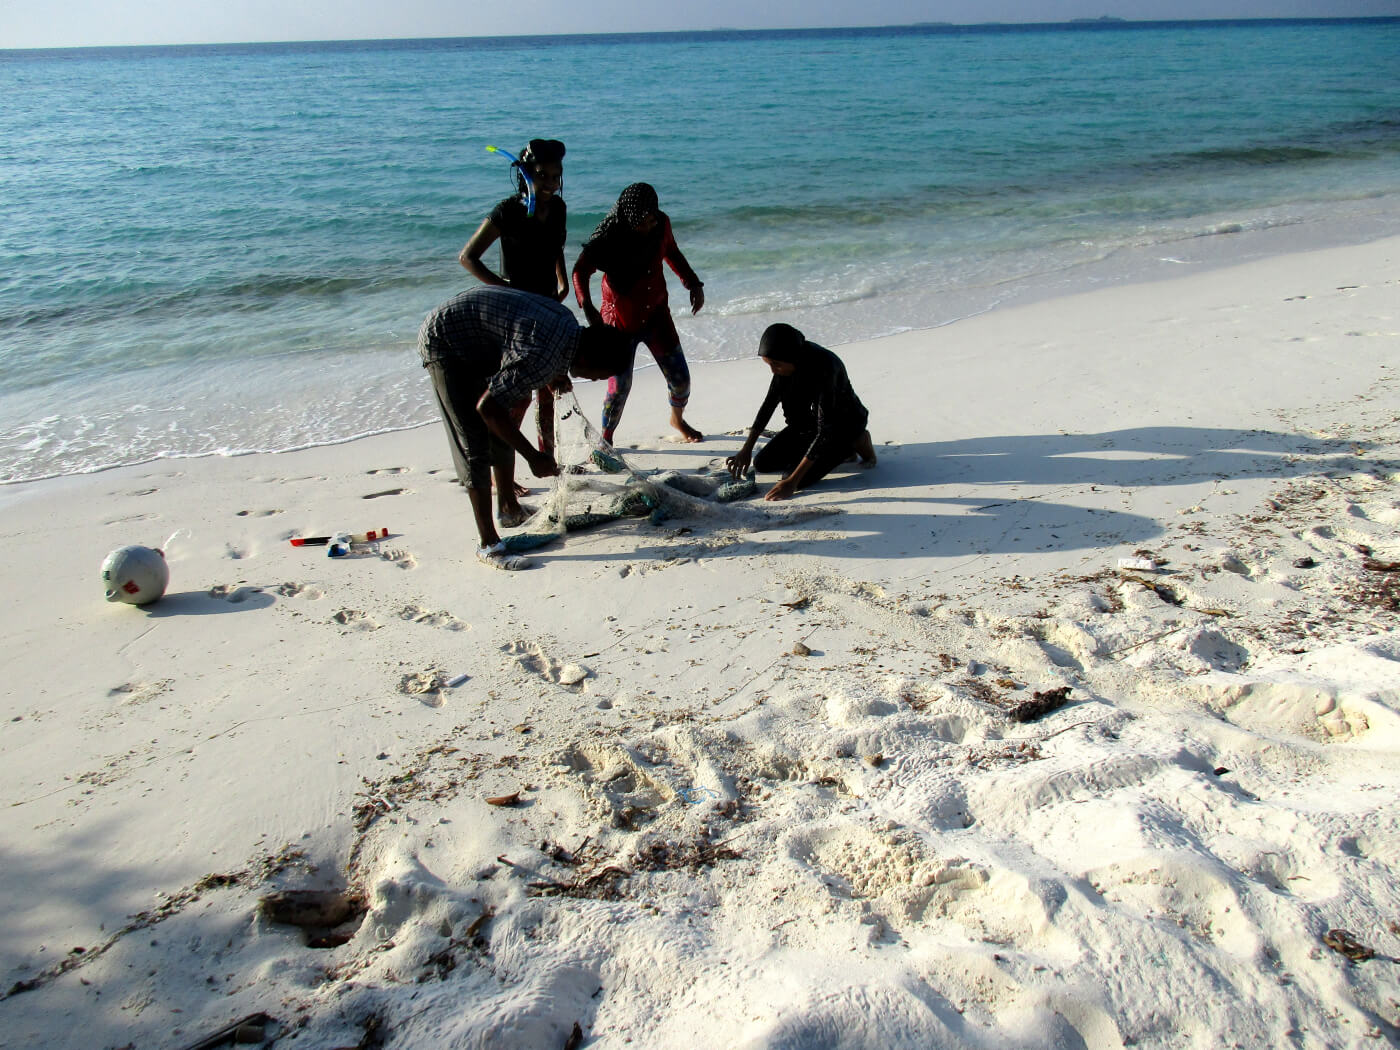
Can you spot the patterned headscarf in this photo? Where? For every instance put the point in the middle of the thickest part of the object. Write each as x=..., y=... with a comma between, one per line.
x=616, y=247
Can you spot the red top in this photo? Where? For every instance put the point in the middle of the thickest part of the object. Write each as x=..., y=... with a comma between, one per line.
x=631, y=310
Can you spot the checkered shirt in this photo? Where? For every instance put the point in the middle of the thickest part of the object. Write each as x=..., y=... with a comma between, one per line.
x=521, y=341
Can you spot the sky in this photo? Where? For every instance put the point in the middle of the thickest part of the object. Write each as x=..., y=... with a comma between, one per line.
x=94, y=23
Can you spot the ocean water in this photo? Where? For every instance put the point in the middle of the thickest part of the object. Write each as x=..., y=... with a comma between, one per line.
x=214, y=250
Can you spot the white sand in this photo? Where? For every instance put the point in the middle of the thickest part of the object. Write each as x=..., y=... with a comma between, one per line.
x=719, y=843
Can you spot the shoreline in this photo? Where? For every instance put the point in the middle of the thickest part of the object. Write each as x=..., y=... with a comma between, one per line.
x=857, y=838
x=1224, y=244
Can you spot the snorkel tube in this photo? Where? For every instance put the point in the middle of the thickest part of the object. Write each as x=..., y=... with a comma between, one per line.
x=529, y=182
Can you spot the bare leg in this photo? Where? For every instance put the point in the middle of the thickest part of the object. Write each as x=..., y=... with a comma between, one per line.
x=481, y=510
x=508, y=509
x=688, y=432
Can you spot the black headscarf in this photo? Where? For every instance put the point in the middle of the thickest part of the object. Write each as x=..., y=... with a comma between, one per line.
x=783, y=342
x=619, y=250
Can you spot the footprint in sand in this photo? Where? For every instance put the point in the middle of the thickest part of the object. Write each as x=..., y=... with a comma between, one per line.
x=1186, y=890
x=355, y=620
x=258, y=513
x=235, y=553
x=617, y=783
x=138, y=692
x=386, y=492
x=424, y=686
x=129, y=519
x=232, y=593
x=903, y=881
x=1283, y=872
x=388, y=470
x=299, y=590
x=532, y=658
x=445, y=620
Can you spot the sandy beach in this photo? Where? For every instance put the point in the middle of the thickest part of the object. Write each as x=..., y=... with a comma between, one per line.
x=911, y=761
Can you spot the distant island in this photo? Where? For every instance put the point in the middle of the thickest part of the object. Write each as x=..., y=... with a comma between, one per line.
x=1101, y=18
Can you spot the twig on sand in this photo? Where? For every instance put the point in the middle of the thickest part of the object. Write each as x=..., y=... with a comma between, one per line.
x=1066, y=729
x=1145, y=641
x=246, y=1030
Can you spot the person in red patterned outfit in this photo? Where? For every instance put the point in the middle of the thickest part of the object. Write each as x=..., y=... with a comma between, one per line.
x=629, y=246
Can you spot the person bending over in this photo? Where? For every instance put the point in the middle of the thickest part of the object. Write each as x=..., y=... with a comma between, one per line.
x=629, y=246
x=486, y=349
x=825, y=420
x=532, y=259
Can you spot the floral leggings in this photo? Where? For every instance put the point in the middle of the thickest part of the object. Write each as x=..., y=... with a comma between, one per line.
x=659, y=335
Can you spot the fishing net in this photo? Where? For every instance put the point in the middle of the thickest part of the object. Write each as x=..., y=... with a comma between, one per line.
x=596, y=485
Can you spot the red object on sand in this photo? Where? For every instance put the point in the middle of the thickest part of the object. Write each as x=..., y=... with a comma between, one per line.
x=355, y=537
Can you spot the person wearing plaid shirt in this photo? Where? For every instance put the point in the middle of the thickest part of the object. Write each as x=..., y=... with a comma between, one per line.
x=486, y=350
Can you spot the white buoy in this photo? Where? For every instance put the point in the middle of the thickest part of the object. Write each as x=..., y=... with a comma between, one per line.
x=135, y=575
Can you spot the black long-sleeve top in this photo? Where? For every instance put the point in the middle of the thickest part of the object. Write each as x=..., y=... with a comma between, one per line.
x=817, y=397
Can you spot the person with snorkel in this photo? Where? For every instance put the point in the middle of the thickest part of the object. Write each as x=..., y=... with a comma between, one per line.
x=825, y=419
x=629, y=246
x=531, y=226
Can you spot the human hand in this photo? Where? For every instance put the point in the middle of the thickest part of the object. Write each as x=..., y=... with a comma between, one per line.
x=738, y=463
x=782, y=490
x=697, y=298
x=542, y=464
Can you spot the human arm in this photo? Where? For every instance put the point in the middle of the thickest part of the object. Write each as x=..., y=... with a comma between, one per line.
x=486, y=235
x=671, y=252
x=561, y=277
x=559, y=217
x=838, y=416
x=584, y=269
x=544, y=418
x=790, y=484
x=498, y=419
x=740, y=462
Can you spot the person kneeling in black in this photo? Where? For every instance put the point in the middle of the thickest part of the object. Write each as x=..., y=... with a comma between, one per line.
x=825, y=419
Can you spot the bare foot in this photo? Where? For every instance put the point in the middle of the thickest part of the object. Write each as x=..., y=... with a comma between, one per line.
x=865, y=449
x=688, y=432
x=520, y=490
x=511, y=517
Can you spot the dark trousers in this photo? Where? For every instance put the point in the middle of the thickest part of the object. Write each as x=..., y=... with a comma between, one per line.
x=787, y=447
x=475, y=450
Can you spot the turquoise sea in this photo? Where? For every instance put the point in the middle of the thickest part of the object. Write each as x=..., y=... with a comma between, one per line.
x=212, y=250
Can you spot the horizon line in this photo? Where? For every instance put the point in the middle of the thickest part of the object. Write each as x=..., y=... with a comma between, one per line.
x=1100, y=22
